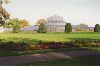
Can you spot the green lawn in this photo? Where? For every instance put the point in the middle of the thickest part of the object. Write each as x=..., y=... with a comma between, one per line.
x=26, y=52
x=31, y=37
x=35, y=37
x=91, y=60
x=57, y=37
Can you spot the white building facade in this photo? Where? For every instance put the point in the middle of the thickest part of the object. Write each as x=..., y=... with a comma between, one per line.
x=55, y=24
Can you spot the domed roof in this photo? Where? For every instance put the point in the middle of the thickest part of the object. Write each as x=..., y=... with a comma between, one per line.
x=55, y=18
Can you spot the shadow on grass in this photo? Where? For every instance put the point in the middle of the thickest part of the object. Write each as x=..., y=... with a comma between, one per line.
x=76, y=58
x=52, y=54
x=70, y=58
x=91, y=60
x=89, y=57
x=83, y=39
x=16, y=39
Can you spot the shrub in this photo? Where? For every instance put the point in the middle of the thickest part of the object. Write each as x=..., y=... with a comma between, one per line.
x=16, y=25
x=16, y=29
x=68, y=28
x=42, y=28
x=97, y=28
x=47, y=45
x=13, y=46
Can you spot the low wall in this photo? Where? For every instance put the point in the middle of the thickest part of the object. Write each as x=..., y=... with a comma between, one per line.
x=33, y=28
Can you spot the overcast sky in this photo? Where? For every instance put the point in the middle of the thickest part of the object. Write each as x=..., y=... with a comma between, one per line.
x=73, y=11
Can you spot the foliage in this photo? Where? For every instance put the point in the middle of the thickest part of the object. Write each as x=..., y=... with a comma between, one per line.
x=1, y=22
x=9, y=23
x=41, y=21
x=16, y=26
x=13, y=46
x=47, y=45
x=22, y=23
x=81, y=27
x=33, y=39
x=5, y=1
x=42, y=28
x=68, y=28
x=97, y=28
x=4, y=14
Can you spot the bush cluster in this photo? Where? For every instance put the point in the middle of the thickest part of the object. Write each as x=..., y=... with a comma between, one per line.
x=42, y=28
x=47, y=45
x=16, y=29
x=97, y=28
x=13, y=45
x=88, y=43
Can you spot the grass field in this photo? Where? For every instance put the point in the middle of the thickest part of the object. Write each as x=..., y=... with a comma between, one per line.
x=48, y=36
x=91, y=60
x=26, y=52
x=35, y=37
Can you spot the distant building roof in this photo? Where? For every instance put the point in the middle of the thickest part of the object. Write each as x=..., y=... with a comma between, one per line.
x=55, y=18
x=30, y=28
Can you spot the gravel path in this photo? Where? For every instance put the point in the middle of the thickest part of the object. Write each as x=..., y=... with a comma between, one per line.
x=14, y=60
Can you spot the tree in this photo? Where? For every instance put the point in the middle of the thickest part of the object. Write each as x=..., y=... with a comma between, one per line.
x=81, y=27
x=97, y=28
x=42, y=28
x=68, y=28
x=41, y=21
x=16, y=26
x=7, y=1
x=22, y=23
x=3, y=13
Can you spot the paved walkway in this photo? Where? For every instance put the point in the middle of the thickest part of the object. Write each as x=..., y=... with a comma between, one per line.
x=14, y=60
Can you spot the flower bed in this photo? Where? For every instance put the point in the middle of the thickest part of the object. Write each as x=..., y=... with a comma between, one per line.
x=47, y=45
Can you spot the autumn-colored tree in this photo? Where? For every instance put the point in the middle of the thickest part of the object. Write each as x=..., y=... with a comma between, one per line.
x=3, y=13
x=41, y=21
x=81, y=27
x=23, y=23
